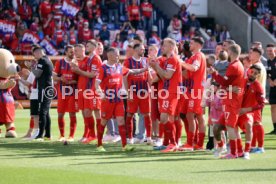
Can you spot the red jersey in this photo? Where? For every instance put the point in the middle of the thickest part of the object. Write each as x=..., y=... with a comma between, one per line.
x=85, y=35
x=94, y=64
x=146, y=9
x=111, y=78
x=133, y=12
x=62, y=68
x=173, y=64
x=253, y=95
x=25, y=12
x=72, y=37
x=161, y=63
x=82, y=80
x=139, y=81
x=58, y=36
x=56, y=8
x=196, y=80
x=45, y=8
x=49, y=30
x=234, y=76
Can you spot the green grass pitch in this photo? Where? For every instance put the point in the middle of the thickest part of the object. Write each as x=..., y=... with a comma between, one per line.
x=52, y=162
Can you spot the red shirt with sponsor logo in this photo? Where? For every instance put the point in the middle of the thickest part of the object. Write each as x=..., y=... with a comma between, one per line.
x=195, y=81
x=234, y=76
x=146, y=9
x=111, y=78
x=45, y=8
x=133, y=12
x=172, y=63
x=63, y=68
x=139, y=81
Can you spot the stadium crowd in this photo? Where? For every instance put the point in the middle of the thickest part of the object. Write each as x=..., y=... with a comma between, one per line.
x=263, y=10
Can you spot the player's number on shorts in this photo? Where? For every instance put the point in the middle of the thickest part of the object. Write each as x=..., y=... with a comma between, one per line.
x=94, y=101
x=165, y=104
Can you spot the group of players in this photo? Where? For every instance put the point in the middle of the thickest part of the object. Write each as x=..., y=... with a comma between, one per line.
x=182, y=85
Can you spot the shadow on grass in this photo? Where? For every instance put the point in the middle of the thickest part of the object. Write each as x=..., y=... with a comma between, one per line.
x=19, y=150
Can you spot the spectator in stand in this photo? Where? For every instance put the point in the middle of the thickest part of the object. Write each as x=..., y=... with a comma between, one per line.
x=147, y=9
x=35, y=25
x=154, y=39
x=125, y=29
x=186, y=36
x=224, y=35
x=25, y=12
x=122, y=7
x=217, y=32
x=72, y=35
x=265, y=21
x=127, y=42
x=134, y=14
x=56, y=9
x=63, y=44
x=48, y=25
x=175, y=28
x=193, y=22
x=97, y=14
x=104, y=33
x=117, y=43
x=272, y=26
x=113, y=7
x=85, y=34
x=80, y=22
x=45, y=8
x=184, y=15
x=58, y=35
x=210, y=45
x=192, y=32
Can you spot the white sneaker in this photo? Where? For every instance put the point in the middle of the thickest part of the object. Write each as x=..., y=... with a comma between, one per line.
x=61, y=139
x=107, y=138
x=82, y=139
x=116, y=138
x=218, y=152
x=149, y=141
x=130, y=141
x=158, y=143
x=70, y=139
x=246, y=155
x=138, y=141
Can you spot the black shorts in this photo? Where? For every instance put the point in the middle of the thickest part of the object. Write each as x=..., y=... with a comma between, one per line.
x=34, y=107
x=272, y=96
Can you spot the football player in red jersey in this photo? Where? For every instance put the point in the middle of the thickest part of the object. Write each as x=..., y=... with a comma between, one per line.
x=253, y=100
x=196, y=68
x=169, y=72
x=109, y=85
x=84, y=101
x=232, y=102
x=138, y=86
x=67, y=84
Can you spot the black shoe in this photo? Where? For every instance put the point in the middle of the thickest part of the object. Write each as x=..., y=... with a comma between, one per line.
x=273, y=132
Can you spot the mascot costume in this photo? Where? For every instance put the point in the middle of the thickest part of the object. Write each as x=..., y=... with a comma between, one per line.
x=8, y=69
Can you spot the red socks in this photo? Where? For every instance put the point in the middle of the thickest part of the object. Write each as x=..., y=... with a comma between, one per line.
x=239, y=146
x=86, y=128
x=129, y=126
x=61, y=125
x=32, y=123
x=220, y=144
x=148, y=125
x=190, y=138
x=89, y=121
x=196, y=132
x=201, y=137
x=260, y=135
x=170, y=132
x=100, y=132
x=73, y=125
x=161, y=130
x=178, y=126
x=254, y=138
x=233, y=147
x=247, y=147
x=122, y=132
x=186, y=124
